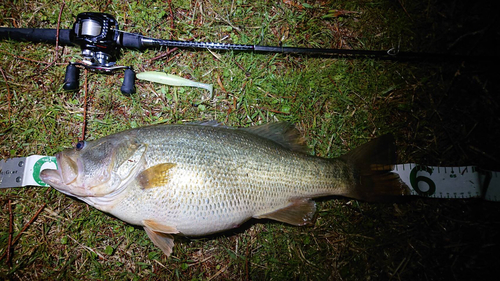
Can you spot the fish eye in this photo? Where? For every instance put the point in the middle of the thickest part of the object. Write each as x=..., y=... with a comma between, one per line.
x=80, y=145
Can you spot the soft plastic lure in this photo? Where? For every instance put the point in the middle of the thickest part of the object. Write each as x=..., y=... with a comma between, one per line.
x=172, y=80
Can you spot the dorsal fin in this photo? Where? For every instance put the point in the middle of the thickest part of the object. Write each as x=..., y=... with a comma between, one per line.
x=282, y=133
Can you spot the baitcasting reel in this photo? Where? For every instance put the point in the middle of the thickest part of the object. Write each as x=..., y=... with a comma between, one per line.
x=98, y=37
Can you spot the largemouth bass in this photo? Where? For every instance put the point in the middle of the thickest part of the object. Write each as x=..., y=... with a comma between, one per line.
x=198, y=179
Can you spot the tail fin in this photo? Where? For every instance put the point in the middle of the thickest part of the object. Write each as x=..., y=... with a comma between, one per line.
x=372, y=164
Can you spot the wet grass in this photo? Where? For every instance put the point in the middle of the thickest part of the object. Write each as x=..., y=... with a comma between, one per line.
x=440, y=113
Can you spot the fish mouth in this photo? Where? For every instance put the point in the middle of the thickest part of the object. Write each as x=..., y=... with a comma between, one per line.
x=52, y=178
x=64, y=177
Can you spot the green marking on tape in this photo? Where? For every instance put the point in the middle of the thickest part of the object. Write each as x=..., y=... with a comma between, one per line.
x=38, y=166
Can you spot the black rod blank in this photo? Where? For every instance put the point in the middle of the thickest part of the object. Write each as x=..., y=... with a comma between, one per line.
x=137, y=41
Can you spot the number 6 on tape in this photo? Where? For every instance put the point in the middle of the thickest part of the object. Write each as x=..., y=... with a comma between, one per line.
x=450, y=182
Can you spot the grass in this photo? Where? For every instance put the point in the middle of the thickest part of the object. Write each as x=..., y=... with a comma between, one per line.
x=440, y=114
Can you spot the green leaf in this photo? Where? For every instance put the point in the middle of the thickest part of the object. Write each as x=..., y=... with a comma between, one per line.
x=109, y=250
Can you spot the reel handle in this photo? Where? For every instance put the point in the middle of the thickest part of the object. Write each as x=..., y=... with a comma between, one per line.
x=128, y=86
x=71, y=78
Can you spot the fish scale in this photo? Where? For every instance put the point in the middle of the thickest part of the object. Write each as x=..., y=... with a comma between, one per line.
x=200, y=179
x=254, y=186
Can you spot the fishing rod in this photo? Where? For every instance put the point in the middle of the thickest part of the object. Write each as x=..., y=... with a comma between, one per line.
x=101, y=42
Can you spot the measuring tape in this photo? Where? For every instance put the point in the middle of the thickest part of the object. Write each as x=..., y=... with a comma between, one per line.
x=450, y=182
x=427, y=181
x=25, y=171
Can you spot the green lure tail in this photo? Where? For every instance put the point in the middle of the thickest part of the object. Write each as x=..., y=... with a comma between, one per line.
x=172, y=80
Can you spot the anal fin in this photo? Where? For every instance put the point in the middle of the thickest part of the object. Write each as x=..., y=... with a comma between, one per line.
x=299, y=212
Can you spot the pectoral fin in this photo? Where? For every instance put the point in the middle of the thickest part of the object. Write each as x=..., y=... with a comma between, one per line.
x=155, y=176
x=299, y=212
